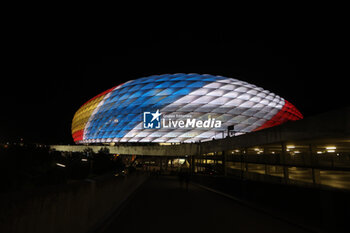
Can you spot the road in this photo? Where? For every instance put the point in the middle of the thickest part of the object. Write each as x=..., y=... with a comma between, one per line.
x=161, y=205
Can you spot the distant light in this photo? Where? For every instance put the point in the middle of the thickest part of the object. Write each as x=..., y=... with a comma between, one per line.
x=291, y=147
x=257, y=149
x=331, y=148
x=84, y=160
x=319, y=152
x=182, y=161
x=273, y=152
x=61, y=165
x=330, y=151
x=165, y=143
x=296, y=152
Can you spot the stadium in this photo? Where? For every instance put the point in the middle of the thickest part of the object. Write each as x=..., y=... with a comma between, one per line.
x=178, y=108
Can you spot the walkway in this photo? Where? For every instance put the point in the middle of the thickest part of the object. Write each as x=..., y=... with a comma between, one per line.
x=161, y=205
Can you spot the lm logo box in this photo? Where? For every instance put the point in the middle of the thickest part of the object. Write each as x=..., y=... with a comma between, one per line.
x=151, y=120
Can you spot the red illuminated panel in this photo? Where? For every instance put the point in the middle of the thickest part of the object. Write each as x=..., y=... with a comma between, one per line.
x=78, y=135
x=287, y=113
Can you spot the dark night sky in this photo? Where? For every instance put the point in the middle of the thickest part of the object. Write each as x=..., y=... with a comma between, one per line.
x=45, y=89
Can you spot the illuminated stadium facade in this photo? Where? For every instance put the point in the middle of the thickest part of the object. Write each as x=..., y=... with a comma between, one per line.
x=178, y=108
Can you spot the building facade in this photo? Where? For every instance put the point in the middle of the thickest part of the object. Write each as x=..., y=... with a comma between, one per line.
x=174, y=108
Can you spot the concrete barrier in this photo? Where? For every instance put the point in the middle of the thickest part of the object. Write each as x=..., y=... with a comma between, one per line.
x=77, y=207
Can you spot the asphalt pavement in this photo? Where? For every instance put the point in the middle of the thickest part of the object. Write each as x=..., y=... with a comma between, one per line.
x=162, y=204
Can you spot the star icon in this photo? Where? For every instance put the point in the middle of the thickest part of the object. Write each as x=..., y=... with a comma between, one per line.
x=156, y=115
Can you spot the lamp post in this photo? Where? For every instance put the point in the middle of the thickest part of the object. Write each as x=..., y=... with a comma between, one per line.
x=229, y=129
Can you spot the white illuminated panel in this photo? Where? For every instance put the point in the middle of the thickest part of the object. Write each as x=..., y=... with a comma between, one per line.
x=239, y=102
